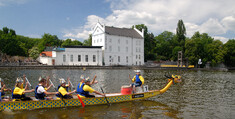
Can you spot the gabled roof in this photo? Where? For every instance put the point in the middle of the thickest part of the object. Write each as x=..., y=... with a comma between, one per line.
x=122, y=32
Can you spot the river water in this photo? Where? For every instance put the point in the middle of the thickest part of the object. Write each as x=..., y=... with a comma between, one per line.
x=200, y=95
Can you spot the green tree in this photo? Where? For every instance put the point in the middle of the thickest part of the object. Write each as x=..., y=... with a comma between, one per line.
x=229, y=57
x=34, y=52
x=49, y=40
x=70, y=42
x=88, y=42
x=180, y=33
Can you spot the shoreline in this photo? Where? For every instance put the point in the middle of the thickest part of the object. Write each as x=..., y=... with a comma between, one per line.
x=110, y=67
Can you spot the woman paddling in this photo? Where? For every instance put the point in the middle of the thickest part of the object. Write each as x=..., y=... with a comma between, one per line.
x=18, y=93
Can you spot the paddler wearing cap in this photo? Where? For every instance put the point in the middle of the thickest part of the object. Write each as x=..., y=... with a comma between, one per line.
x=63, y=93
x=41, y=92
x=18, y=93
x=3, y=89
x=84, y=89
x=137, y=79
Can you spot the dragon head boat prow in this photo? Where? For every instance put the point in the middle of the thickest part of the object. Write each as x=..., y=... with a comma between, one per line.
x=171, y=80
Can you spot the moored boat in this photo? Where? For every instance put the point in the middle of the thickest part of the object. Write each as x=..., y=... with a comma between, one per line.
x=111, y=98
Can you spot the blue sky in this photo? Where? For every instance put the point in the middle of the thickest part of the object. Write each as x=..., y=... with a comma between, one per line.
x=75, y=18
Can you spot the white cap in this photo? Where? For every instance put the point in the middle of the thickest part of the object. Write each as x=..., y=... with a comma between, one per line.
x=19, y=80
x=62, y=81
x=82, y=77
x=40, y=78
x=137, y=71
x=87, y=79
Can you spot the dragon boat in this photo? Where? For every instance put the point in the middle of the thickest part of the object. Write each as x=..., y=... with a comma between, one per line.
x=98, y=100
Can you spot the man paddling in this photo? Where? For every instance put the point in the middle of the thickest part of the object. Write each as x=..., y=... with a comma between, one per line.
x=84, y=89
x=40, y=91
x=63, y=93
x=137, y=79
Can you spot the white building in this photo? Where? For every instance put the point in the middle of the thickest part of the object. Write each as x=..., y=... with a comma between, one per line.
x=73, y=55
x=121, y=46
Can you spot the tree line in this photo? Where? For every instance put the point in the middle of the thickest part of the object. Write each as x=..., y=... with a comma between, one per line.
x=162, y=47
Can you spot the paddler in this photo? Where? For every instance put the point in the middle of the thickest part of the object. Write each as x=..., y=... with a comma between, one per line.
x=41, y=92
x=91, y=83
x=84, y=89
x=3, y=89
x=63, y=93
x=66, y=86
x=137, y=79
x=18, y=93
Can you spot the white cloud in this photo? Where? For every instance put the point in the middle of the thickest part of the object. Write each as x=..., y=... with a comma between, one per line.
x=211, y=16
x=223, y=39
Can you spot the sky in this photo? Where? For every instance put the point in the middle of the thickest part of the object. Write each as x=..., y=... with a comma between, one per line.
x=75, y=18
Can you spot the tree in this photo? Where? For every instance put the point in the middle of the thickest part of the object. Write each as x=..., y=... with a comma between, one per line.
x=34, y=52
x=70, y=42
x=88, y=42
x=180, y=33
x=49, y=40
x=229, y=57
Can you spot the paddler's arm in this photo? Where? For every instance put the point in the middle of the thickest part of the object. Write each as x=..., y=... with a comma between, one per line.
x=68, y=93
x=51, y=93
x=28, y=91
x=130, y=77
x=98, y=93
x=26, y=86
x=48, y=85
x=68, y=82
x=93, y=81
x=142, y=79
x=3, y=87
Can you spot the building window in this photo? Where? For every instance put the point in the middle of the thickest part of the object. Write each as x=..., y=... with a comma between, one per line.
x=136, y=62
x=139, y=63
x=86, y=58
x=119, y=58
x=126, y=59
x=100, y=40
x=110, y=40
x=126, y=49
x=118, y=48
x=136, y=49
x=136, y=56
x=79, y=58
x=110, y=58
x=64, y=58
x=118, y=41
x=94, y=58
x=71, y=58
x=139, y=56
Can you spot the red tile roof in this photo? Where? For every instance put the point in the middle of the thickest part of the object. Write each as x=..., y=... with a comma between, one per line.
x=46, y=53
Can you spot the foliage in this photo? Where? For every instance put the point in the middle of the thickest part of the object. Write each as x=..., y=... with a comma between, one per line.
x=229, y=57
x=34, y=52
x=180, y=33
x=69, y=42
x=49, y=40
x=88, y=42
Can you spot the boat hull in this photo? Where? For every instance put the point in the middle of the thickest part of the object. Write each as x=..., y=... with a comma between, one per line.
x=112, y=98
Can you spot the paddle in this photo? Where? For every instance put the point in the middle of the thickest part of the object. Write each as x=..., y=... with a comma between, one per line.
x=1, y=91
x=56, y=91
x=105, y=97
x=83, y=105
x=28, y=82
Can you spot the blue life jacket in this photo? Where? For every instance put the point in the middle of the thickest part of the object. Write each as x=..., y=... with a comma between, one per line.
x=16, y=96
x=80, y=90
x=39, y=95
x=2, y=93
x=59, y=95
x=137, y=80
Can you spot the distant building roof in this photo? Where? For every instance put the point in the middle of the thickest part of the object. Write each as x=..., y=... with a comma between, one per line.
x=128, y=32
x=46, y=53
x=79, y=46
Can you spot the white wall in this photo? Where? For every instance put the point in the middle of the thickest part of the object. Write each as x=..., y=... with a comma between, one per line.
x=45, y=60
x=82, y=52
